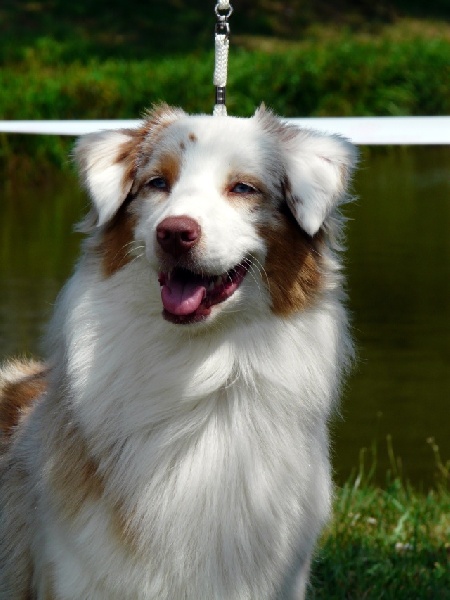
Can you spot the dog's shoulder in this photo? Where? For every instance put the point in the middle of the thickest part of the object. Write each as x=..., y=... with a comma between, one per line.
x=21, y=384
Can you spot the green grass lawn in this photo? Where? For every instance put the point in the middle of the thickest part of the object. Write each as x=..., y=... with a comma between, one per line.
x=386, y=543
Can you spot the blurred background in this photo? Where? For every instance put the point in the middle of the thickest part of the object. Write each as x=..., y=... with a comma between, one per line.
x=113, y=59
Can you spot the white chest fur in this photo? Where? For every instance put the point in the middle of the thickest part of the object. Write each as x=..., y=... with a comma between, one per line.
x=215, y=446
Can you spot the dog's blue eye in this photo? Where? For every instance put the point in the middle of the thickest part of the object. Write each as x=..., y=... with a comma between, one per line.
x=243, y=188
x=159, y=183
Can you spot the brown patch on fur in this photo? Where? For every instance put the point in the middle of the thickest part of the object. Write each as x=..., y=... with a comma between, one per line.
x=117, y=240
x=20, y=386
x=293, y=265
x=143, y=139
x=74, y=476
x=169, y=167
x=192, y=137
x=77, y=481
x=128, y=153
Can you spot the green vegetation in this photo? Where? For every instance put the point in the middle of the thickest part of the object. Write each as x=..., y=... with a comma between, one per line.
x=112, y=60
x=134, y=29
x=390, y=544
x=340, y=76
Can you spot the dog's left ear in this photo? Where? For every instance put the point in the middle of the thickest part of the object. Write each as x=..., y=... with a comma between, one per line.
x=318, y=169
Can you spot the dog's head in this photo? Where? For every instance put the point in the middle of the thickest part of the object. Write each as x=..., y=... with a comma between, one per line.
x=231, y=213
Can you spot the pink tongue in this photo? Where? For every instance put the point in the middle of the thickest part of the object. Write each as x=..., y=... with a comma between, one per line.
x=182, y=297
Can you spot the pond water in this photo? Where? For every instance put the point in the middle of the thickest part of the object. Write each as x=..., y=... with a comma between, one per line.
x=398, y=265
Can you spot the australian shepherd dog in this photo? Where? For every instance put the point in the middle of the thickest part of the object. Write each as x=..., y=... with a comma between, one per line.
x=174, y=443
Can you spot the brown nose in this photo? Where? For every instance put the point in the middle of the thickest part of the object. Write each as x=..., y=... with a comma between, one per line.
x=177, y=235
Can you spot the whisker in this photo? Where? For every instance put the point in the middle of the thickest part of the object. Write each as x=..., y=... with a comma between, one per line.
x=137, y=257
x=134, y=249
x=260, y=267
x=252, y=270
x=128, y=249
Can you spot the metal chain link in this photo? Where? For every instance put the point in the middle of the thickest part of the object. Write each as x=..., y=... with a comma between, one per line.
x=223, y=5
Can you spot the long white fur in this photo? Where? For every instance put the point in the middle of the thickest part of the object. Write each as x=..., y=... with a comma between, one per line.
x=213, y=436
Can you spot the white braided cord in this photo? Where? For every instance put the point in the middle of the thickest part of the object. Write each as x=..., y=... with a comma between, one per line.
x=223, y=4
x=219, y=110
x=222, y=44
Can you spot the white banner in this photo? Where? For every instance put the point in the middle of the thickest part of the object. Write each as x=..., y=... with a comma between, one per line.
x=360, y=130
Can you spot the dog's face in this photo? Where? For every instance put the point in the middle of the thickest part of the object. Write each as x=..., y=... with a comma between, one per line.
x=228, y=211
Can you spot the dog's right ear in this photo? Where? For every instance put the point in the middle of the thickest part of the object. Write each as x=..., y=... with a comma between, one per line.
x=106, y=161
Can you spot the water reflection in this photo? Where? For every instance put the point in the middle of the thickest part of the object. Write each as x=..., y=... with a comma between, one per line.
x=398, y=266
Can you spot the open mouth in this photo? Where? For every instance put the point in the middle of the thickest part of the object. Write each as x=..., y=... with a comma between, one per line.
x=187, y=297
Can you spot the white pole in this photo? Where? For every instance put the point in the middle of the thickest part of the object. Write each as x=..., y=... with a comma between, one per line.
x=360, y=130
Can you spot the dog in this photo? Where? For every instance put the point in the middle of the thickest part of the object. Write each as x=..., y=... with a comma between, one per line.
x=174, y=444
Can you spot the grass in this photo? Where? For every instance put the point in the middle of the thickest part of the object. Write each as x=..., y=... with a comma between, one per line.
x=386, y=543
